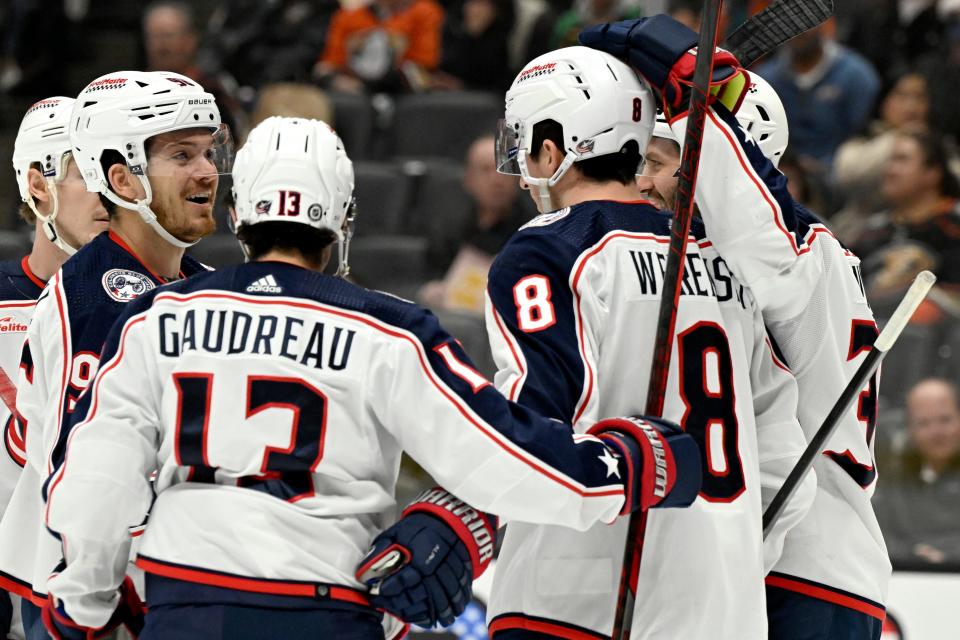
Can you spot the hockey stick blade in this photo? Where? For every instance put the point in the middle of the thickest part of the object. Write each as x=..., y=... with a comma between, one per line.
x=778, y=23
x=914, y=296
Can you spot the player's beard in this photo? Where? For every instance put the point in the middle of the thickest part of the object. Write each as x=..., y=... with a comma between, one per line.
x=183, y=221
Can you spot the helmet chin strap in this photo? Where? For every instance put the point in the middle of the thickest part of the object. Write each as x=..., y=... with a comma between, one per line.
x=147, y=215
x=542, y=185
x=49, y=227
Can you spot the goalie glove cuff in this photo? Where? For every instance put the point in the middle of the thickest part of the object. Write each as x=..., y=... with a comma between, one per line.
x=475, y=528
x=661, y=462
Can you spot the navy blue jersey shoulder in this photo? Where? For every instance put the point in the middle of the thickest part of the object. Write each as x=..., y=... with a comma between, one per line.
x=554, y=241
x=15, y=284
x=296, y=282
x=806, y=219
x=98, y=282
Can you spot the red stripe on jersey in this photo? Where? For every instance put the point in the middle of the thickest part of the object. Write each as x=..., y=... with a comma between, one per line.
x=123, y=245
x=580, y=264
x=20, y=588
x=401, y=633
x=515, y=387
x=27, y=271
x=776, y=360
x=540, y=625
x=777, y=214
x=59, y=295
x=94, y=402
x=244, y=583
x=492, y=434
x=827, y=594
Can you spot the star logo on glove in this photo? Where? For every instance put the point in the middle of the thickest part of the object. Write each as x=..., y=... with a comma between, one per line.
x=613, y=467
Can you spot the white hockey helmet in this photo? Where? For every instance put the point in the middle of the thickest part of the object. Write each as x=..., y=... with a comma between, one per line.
x=120, y=111
x=600, y=102
x=296, y=170
x=44, y=139
x=661, y=128
x=763, y=116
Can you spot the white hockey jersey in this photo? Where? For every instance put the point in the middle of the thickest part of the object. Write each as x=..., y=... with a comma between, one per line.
x=573, y=310
x=70, y=322
x=811, y=294
x=19, y=290
x=274, y=403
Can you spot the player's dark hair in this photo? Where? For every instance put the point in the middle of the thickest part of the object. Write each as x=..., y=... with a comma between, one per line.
x=620, y=167
x=109, y=158
x=937, y=153
x=306, y=241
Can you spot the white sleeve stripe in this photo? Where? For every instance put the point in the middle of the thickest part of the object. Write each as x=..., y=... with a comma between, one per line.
x=460, y=368
x=495, y=436
x=94, y=404
x=66, y=346
x=761, y=187
x=515, y=351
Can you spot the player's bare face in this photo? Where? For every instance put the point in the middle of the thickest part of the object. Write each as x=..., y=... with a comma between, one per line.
x=81, y=215
x=184, y=181
x=658, y=181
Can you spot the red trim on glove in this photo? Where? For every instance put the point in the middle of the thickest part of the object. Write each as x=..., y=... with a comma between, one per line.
x=459, y=516
x=645, y=435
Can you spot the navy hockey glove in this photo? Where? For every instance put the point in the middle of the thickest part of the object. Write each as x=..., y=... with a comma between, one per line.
x=422, y=568
x=664, y=52
x=129, y=612
x=660, y=463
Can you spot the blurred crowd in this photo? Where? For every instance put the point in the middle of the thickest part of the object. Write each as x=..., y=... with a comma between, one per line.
x=415, y=87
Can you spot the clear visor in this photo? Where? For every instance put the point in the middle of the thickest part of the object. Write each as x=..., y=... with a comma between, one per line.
x=191, y=153
x=507, y=146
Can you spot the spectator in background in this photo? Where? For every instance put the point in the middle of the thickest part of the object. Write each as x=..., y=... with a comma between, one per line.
x=387, y=45
x=586, y=13
x=464, y=253
x=860, y=162
x=259, y=42
x=921, y=227
x=805, y=185
x=918, y=501
x=827, y=89
x=291, y=100
x=686, y=12
x=475, y=47
x=170, y=43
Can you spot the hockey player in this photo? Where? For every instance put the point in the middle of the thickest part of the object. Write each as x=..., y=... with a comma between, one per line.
x=573, y=306
x=811, y=293
x=65, y=217
x=146, y=143
x=276, y=401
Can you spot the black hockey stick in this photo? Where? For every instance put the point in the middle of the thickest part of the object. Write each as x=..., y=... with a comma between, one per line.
x=672, y=279
x=778, y=23
x=914, y=296
x=758, y=36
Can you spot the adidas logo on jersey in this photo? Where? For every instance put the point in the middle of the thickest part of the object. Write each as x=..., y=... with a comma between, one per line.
x=266, y=284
